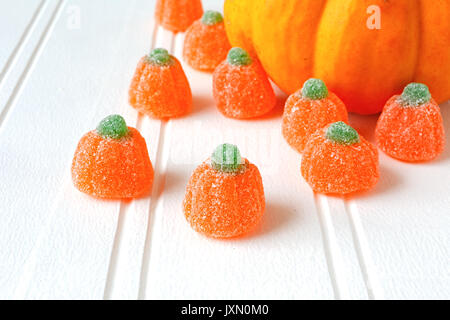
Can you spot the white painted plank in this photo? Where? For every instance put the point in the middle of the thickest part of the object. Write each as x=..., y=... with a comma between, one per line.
x=284, y=259
x=339, y=245
x=22, y=61
x=58, y=242
x=128, y=254
x=406, y=222
x=392, y=242
x=17, y=19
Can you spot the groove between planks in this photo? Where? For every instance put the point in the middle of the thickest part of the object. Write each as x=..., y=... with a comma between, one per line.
x=366, y=264
x=22, y=41
x=331, y=248
x=158, y=185
x=29, y=269
x=333, y=259
x=32, y=60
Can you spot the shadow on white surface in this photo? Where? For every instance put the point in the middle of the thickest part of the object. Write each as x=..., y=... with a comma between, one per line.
x=201, y=104
x=389, y=181
x=174, y=181
x=276, y=217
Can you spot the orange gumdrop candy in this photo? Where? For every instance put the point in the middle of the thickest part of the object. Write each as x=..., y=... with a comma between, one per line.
x=225, y=195
x=178, y=15
x=309, y=109
x=159, y=87
x=241, y=88
x=410, y=127
x=206, y=44
x=336, y=160
x=112, y=162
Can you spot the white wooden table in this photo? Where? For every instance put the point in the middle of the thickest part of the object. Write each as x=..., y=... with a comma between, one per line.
x=66, y=64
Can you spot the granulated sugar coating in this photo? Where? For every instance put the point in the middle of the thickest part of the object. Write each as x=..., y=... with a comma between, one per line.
x=112, y=162
x=224, y=204
x=178, y=15
x=410, y=127
x=241, y=87
x=159, y=87
x=206, y=44
x=335, y=162
x=309, y=109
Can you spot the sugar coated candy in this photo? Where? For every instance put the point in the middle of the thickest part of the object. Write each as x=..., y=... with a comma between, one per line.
x=309, y=109
x=159, y=87
x=112, y=161
x=411, y=128
x=206, y=44
x=225, y=195
x=241, y=88
x=178, y=15
x=337, y=160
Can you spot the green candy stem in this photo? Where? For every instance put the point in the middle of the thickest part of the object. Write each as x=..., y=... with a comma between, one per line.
x=342, y=133
x=211, y=18
x=315, y=89
x=226, y=158
x=415, y=94
x=239, y=57
x=113, y=126
x=160, y=57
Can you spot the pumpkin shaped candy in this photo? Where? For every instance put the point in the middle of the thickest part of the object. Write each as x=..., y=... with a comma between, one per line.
x=206, y=44
x=178, y=15
x=337, y=160
x=112, y=162
x=310, y=109
x=241, y=88
x=159, y=87
x=225, y=195
x=410, y=127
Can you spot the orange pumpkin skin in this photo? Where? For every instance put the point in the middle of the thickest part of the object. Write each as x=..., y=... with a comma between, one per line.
x=239, y=29
x=329, y=39
x=112, y=169
x=223, y=205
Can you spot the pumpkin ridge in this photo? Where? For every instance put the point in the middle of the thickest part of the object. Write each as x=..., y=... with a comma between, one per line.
x=283, y=22
x=316, y=32
x=435, y=23
x=94, y=141
x=419, y=19
x=364, y=75
x=362, y=64
x=197, y=185
x=174, y=85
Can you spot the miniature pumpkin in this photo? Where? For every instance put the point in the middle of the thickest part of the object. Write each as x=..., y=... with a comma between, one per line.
x=333, y=40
